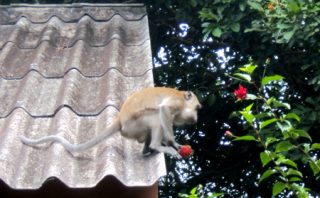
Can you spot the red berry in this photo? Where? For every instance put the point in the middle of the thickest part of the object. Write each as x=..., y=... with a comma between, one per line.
x=185, y=151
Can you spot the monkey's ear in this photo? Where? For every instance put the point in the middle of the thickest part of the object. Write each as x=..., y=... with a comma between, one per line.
x=188, y=95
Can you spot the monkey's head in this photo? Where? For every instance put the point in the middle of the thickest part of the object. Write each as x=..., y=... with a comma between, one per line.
x=189, y=111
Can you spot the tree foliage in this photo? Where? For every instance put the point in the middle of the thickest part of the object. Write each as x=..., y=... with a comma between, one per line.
x=203, y=46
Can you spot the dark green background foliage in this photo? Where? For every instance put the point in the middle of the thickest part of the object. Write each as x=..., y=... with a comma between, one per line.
x=288, y=37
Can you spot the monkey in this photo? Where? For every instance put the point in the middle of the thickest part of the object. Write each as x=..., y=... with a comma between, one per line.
x=147, y=116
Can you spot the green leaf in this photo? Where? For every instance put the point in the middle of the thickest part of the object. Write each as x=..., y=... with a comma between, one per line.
x=306, y=147
x=300, y=190
x=193, y=3
x=245, y=138
x=278, y=187
x=217, y=32
x=216, y=195
x=295, y=179
x=270, y=100
x=293, y=6
x=302, y=133
x=235, y=27
x=248, y=116
x=249, y=107
x=248, y=68
x=266, y=175
x=316, y=146
x=315, y=167
x=294, y=172
x=268, y=122
x=303, y=194
x=242, y=6
x=271, y=140
x=292, y=116
x=284, y=146
x=251, y=97
x=288, y=35
x=265, y=158
x=205, y=24
x=183, y=195
x=283, y=26
x=277, y=104
x=254, y=29
x=290, y=163
x=287, y=162
x=206, y=34
x=255, y=6
x=245, y=77
x=193, y=191
x=263, y=115
x=282, y=127
x=211, y=99
x=269, y=79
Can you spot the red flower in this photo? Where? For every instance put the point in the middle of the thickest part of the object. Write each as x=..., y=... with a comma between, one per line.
x=240, y=93
x=271, y=6
x=185, y=151
x=228, y=134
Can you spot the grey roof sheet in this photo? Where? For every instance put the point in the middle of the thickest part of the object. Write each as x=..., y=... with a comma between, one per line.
x=65, y=70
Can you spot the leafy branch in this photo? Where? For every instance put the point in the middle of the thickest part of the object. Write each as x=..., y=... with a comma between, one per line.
x=273, y=128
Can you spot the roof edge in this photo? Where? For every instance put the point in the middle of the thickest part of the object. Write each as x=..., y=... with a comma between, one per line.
x=75, y=5
x=61, y=181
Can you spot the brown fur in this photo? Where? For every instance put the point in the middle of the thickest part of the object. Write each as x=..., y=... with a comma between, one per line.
x=146, y=116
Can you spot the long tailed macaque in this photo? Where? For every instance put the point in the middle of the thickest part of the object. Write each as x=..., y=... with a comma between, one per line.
x=147, y=116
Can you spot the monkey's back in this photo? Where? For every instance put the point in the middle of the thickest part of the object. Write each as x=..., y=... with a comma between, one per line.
x=147, y=101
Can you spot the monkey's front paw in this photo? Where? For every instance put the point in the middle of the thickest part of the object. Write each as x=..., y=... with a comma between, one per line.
x=178, y=146
x=176, y=155
x=171, y=151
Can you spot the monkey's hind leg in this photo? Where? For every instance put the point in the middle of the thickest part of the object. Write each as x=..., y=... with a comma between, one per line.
x=146, y=149
x=156, y=143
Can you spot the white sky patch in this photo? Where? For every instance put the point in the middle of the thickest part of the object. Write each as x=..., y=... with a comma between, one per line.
x=222, y=58
x=163, y=56
x=184, y=29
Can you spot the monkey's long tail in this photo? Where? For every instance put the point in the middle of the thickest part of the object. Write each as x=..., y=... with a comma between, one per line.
x=114, y=127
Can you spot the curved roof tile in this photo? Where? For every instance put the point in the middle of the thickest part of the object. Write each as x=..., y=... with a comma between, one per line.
x=65, y=70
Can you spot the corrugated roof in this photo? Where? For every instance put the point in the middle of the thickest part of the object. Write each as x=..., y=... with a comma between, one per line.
x=66, y=69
